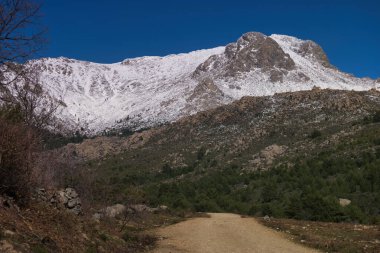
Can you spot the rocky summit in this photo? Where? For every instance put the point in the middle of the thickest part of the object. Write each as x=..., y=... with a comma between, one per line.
x=252, y=51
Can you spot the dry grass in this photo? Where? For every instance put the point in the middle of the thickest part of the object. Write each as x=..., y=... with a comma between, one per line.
x=44, y=229
x=329, y=237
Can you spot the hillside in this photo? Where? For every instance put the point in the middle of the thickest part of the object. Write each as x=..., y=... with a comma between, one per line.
x=288, y=155
x=255, y=144
x=307, y=155
x=148, y=91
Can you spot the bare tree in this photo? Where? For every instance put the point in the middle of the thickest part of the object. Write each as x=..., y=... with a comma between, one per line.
x=23, y=104
x=20, y=33
x=17, y=146
x=20, y=37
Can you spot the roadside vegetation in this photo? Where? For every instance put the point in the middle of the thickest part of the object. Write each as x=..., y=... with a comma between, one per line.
x=327, y=236
x=31, y=163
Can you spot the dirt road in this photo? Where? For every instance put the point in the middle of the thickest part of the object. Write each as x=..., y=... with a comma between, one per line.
x=224, y=233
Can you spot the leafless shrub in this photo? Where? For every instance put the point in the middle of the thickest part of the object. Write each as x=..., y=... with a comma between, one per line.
x=56, y=168
x=18, y=145
x=130, y=214
x=24, y=108
x=61, y=168
x=21, y=36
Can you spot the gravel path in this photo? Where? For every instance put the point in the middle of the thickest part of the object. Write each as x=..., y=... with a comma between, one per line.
x=223, y=233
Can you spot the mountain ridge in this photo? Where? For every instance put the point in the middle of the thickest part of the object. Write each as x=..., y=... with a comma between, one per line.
x=147, y=91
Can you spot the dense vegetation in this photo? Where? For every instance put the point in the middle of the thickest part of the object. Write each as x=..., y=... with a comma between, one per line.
x=308, y=190
x=302, y=186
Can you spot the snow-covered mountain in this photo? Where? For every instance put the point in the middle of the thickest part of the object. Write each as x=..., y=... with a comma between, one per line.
x=147, y=91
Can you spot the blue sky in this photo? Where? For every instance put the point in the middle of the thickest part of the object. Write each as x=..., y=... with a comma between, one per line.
x=108, y=31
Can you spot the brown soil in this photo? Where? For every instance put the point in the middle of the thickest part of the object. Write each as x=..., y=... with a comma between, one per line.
x=223, y=233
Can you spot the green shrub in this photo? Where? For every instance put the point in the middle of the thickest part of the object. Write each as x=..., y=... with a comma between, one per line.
x=376, y=117
x=39, y=249
x=201, y=153
x=129, y=236
x=91, y=249
x=103, y=237
x=166, y=169
x=315, y=134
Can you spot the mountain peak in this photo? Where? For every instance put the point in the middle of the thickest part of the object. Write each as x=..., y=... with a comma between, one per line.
x=146, y=91
x=253, y=50
x=256, y=50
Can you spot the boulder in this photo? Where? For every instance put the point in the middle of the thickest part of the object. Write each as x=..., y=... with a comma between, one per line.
x=114, y=211
x=6, y=247
x=344, y=202
x=67, y=198
x=8, y=202
x=267, y=155
x=97, y=216
x=272, y=151
x=163, y=208
x=140, y=208
x=41, y=194
x=117, y=210
x=8, y=233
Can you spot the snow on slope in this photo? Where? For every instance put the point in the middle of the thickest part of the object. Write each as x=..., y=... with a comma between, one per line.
x=320, y=76
x=97, y=96
x=307, y=73
x=147, y=91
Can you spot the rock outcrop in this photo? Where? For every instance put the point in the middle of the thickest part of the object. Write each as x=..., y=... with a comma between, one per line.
x=67, y=199
x=313, y=50
x=252, y=51
x=111, y=211
x=205, y=89
x=205, y=95
x=119, y=210
x=7, y=247
x=268, y=155
x=344, y=202
x=256, y=50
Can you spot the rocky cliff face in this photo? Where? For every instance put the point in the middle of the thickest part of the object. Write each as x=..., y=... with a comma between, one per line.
x=314, y=51
x=252, y=51
x=148, y=91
